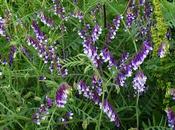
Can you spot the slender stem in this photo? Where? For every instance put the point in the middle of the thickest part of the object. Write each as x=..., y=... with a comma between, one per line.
x=137, y=110
x=104, y=15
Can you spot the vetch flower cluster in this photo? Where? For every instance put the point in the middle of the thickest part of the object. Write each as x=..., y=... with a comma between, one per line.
x=97, y=85
x=130, y=17
x=97, y=30
x=107, y=57
x=124, y=73
x=141, y=55
x=42, y=112
x=87, y=92
x=47, y=53
x=45, y=20
x=141, y=2
x=88, y=40
x=126, y=70
x=12, y=54
x=62, y=95
x=59, y=10
x=112, y=115
x=2, y=27
x=171, y=118
x=79, y=15
x=41, y=49
x=139, y=82
x=113, y=28
x=123, y=59
x=39, y=34
x=84, y=90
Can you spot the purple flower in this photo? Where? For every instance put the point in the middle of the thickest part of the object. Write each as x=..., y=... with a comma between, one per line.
x=113, y=28
x=171, y=118
x=4, y=62
x=69, y=115
x=62, y=95
x=91, y=52
x=139, y=82
x=162, y=50
x=2, y=27
x=87, y=92
x=39, y=34
x=49, y=102
x=84, y=32
x=141, y=55
x=42, y=78
x=124, y=73
x=63, y=28
x=97, y=85
x=141, y=2
x=107, y=57
x=78, y=15
x=112, y=115
x=84, y=90
x=126, y=70
x=97, y=30
x=46, y=20
x=12, y=54
x=130, y=17
x=40, y=114
x=123, y=59
x=41, y=49
x=59, y=10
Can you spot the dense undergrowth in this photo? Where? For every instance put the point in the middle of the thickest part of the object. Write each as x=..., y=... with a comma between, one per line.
x=87, y=64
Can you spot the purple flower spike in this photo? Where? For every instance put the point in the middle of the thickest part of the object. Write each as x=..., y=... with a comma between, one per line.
x=171, y=118
x=97, y=85
x=112, y=115
x=113, y=28
x=140, y=57
x=39, y=34
x=62, y=95
x=85, y=90
x=162, y=50
x=139, y=82
x=44, y=19
x=130, y=17
x=107, y=57
x=141, y=2
x=59, y=10
x=41, y=49
x=91, y=52
x=12, y=54
x=40, y=115
x=78, y=15
x=97, y=30
x=84, y=32
x=49, y=102
x=125, y=72
x=2, y=27
x=123, y=59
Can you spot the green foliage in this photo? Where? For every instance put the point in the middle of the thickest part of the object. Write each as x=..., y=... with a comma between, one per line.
x=22, y=92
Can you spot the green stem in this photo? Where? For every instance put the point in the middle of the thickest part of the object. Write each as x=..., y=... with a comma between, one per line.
x=137, y=110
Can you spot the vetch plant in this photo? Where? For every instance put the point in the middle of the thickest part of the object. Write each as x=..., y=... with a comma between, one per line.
x=114, y=81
